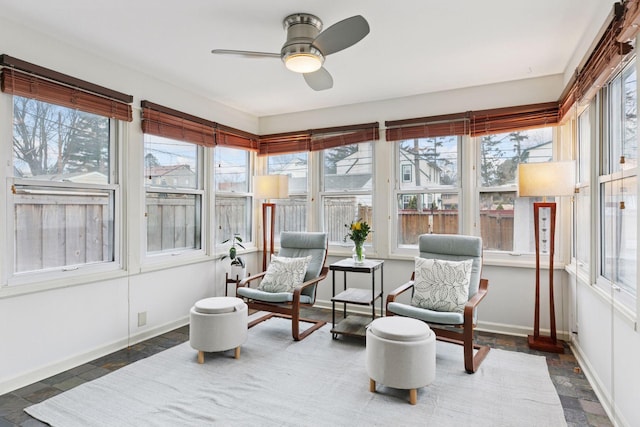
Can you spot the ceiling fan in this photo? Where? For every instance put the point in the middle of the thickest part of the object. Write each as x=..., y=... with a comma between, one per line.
x=307, y=45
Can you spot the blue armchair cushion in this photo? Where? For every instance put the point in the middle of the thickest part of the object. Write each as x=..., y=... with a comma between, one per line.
x=284, y=274
x=441, y=285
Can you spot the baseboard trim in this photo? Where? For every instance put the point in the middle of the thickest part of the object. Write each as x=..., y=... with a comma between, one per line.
x=55, y=368
x=598, y=387
x=497, y=328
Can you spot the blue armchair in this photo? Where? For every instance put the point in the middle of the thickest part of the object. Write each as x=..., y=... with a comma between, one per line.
x=452, y=326
x=288, y=303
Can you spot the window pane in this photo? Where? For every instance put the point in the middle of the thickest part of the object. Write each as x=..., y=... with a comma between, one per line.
x=173, y=221
x=426, y=213
x=612, y=156
x=428, y=161
x=59, y=227
x=292, y=165
x=619, y=231
x=584, y=147
x=348, y=168
x=169, y=163
x=233, y=216
x=582, y=236
x=506, y=222
x=630, y=141
x=342, y=210
x=291, y=213
x=231, y=171
x=500, y=154
x=54, y=143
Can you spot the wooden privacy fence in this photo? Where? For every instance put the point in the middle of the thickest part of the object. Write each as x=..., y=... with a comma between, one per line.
x=172, y=221
x=497, y=229
x=496, y=226
x=57, y=230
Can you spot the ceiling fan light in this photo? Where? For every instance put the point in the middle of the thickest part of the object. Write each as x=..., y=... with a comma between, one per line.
x=303, y=62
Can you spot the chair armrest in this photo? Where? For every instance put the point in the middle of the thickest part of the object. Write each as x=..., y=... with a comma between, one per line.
x=475, y=300
x=321, y=276
x=297, y=291
x=391, y=297
x=247, y=280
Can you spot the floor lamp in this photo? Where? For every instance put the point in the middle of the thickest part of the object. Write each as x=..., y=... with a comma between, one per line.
x=269, y=187
x=549, y=179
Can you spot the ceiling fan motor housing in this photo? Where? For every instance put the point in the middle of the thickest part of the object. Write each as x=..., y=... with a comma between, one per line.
x=302, y=29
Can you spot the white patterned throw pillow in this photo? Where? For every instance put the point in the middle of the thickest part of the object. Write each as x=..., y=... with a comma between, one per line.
x=284, y=274
x=441, y=285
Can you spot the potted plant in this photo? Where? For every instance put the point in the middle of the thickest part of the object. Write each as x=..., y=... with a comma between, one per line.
x=237, y=263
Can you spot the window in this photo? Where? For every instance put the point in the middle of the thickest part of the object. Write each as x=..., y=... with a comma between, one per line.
x=347, y=188
x=582, y=205
x=427, y=201
x=506, y=221
x=407, y=175
x=618, y=201
x=173, y=183
x=64, y=191
x=233, y=199
x=291, y=213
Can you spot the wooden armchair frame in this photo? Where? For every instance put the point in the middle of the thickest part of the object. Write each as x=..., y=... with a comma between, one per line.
x=465, y=336
x=289, y=310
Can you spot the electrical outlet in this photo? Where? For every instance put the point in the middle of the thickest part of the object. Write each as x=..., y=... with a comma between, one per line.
x=142, y=318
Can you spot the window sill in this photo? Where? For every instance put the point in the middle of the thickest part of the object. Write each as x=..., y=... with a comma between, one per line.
x=622, y=311
x=34, y=283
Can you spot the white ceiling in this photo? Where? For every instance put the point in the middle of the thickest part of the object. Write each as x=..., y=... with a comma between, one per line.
x=414, y=47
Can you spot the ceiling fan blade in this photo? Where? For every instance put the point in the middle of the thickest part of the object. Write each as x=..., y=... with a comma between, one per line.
x=245, y=53
x=319, y=80
x=341, y=35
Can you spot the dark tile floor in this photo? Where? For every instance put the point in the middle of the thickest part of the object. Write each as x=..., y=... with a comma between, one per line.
x=581, y=406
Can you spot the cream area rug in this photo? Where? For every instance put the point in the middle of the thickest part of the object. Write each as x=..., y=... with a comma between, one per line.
x=315, y=382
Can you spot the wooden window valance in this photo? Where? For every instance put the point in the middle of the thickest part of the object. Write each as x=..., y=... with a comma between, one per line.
x=509, y=119
x=428, y=127
x=168, y=123
x=32, y=81
x=318, y=139
x=604, y=61
x=229, y=137
x=285, y=143
x=322, y=139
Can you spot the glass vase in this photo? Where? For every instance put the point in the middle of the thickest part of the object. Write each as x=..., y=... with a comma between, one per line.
x=358, y=253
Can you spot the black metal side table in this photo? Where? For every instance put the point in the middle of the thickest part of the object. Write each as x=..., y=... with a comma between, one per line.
x=355, y=324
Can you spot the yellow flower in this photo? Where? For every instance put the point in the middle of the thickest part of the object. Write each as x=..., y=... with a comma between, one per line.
x=356, y=226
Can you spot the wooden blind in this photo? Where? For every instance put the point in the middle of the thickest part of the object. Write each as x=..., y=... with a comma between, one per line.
x=235, y=138
x=326, y=138
x=630, y=21
x=284, y=143
x=499, y=120
x=605, y=59
x=318, y=139
x=428, y=127
x=75, y=96
x=168, y=123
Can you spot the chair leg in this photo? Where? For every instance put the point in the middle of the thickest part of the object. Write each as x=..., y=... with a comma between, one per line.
x=372, y=385
x=201, y=357
x=237, y=353
x=471, y=362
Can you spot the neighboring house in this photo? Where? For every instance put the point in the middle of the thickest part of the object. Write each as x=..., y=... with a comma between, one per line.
x=84, y=177
x=170, y=176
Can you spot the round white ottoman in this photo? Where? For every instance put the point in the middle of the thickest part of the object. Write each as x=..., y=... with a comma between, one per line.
x=218, y=324
x=401, y=353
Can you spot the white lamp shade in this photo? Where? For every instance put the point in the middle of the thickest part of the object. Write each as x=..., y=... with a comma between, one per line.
x=271, y=186
x=546, y=179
